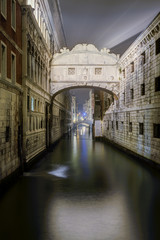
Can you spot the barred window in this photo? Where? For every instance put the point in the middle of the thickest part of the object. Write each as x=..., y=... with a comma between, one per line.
x=122, y=124
x=158, y=46
x=71, y=71
x=142, y=89
x=112, y=125
x=98, y=71
x=130, y=127
x=141, y=128
x=143, y=56
x=124, y=73
x=132, y=93
x=7, y=134
x=157, y=84
x=156, y=130
x=116, y=125
x=132, y=67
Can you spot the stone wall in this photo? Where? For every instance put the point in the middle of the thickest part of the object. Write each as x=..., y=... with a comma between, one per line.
x=61, y=120
x=10, y=123
x=134, y=120
x=10, y=90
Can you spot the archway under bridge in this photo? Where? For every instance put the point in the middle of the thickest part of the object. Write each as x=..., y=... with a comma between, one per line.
x=85, y=67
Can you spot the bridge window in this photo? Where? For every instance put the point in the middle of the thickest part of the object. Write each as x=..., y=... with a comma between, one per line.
x=98, y=71
x=71, y=71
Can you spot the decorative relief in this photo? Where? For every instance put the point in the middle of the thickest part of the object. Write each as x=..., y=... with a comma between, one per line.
x=98, y=71
x=71, y=71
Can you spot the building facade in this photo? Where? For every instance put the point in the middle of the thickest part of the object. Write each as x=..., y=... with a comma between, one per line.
x=133, y=121
x=10, y=87
x=29, y=36
x=41, y=39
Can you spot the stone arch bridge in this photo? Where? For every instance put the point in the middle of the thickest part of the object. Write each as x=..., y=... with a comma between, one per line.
x=85, y=66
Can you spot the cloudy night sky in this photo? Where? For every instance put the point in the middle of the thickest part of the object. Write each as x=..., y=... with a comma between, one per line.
x=106, y=23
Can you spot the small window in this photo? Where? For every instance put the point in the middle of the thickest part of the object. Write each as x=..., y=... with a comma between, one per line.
x=71, y=71
x=28, y=103
x=156, y=130
x=132, y=67
x=142, y=89
x=124, y=96
x=122, y=124
x=141, y=128
x=108, y=125
x=116, y=125
x=132, y=93
x=13, y=68
x=3, y=60
x=130, y=127
x=143, y=57
x=158, y=46
x=124, y=73
x=7, y=134
x=32, y=104
x=13, y=14
x=157, y=84
x=4, y=8
x=98, y=71
x=112, y=125
x=35, y=104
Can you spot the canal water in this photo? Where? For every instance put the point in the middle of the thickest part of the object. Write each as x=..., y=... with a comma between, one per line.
x=83, y=190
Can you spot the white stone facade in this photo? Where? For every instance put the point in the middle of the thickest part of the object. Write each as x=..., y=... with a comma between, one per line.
x=134, y=120
x=40, y=41
x=85, y=66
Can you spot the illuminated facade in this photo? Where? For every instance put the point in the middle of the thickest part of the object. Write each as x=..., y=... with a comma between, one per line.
x=10, y=88
x=29, y=36
x=133, y=121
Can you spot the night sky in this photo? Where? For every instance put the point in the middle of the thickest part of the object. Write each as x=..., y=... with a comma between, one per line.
x=106, y=23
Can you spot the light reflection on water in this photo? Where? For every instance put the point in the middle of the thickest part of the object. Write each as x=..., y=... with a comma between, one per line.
x=60, y=171
x=83, y=189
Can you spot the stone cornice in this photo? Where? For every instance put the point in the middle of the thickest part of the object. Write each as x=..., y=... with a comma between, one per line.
x=143, y=39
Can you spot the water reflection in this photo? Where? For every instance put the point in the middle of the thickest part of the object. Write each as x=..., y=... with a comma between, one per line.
x=83, y=190
x=60, y=171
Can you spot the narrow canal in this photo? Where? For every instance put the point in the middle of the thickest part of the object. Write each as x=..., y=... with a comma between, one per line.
x=83, y=190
